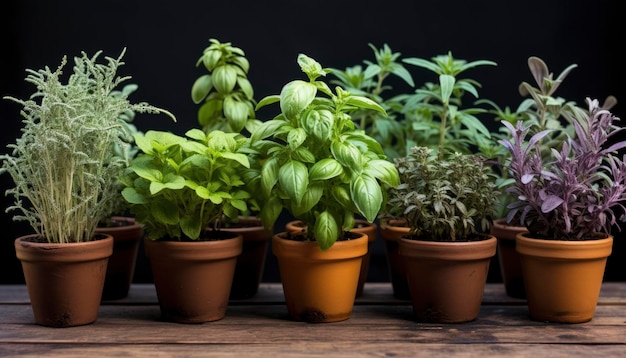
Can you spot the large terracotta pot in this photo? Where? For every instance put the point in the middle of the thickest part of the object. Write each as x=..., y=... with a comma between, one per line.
x=362, y=226
x=508, y=258
x=391, y=231
x=447, y=279
x=64, y=281
x=563, y=278
x=319, y=286
x=250, y=263
x=193, y=278
x=127, y=235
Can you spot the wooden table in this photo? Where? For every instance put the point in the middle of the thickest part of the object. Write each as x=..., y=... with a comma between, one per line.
x=380, y=326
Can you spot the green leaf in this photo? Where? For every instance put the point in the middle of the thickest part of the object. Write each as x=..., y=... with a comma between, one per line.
x=326, y=230
x=191, y=225
x=163, y=211
x=201, y=88
x=311, y=197
x=225, y=78
x=267, y=101
x=447, y=86
x=294, y=179
x=133, y=197
x=383, y=170
x=269, y=175
x=295, y=97
x=326, y=168
x=236, y=112
x=367, y=196
x=364, y=102
x=346, y=153
x=296, y=137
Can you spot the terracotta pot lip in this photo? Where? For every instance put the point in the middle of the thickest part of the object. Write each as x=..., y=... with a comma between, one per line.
x=526, y=235
x=359, y=245
x=465, y=250
x=25, y=240
x=565, y=249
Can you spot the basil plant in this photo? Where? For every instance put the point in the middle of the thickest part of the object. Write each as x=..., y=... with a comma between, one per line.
x=315, y=163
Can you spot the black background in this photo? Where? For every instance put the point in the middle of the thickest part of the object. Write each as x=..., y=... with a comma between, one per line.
x=165, y=38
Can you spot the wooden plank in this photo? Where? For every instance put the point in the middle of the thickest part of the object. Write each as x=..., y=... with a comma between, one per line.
x=272, y=293
x=270, y=324
x=311, y=349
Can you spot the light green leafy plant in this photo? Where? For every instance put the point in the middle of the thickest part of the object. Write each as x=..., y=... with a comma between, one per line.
x=181, y=186
x=63, y=165
x=316, y=164
x=225, y=92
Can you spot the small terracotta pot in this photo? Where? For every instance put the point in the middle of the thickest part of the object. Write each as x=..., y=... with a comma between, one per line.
x=563, y=278
x=391, y=231
x=193, y=279
x=319, y=286
x=447, y=279
x=362, y=226
x=508, y=258
x=251, y=262
x=64, y=281
x=121, y=268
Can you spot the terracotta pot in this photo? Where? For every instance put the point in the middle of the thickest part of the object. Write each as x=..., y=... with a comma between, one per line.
x=369, y=229
x=319, y=286
x=362, y=226
x=391, y=231
x=193, y=279
x=64, y=281
x=447, y=279
x=126, y=238
x=563, y=278
x=508, y=258
x=250, y=263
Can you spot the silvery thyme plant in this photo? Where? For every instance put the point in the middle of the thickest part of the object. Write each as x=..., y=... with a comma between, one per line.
x=63, y=165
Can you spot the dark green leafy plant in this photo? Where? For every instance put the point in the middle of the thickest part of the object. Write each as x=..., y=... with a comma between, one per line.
x=443, y=199
x=63, y=165
x=373, y=82
x=316, y=164
x=571, y=194
x=180, y=186
x=435, y=115
x=225, y=92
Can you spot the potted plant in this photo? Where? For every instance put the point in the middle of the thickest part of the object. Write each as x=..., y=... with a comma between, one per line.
x=323, y=171
x=227, y=103
x=63, y=170
x=435, y=115
x=566, y=201
x=182, y=189
x=447, y=203
x=541, y=109
x=445, y=198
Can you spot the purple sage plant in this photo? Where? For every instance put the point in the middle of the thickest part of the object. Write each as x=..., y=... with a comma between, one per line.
x=572, y=194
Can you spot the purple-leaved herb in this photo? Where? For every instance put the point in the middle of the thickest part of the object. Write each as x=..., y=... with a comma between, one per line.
x=577, y=190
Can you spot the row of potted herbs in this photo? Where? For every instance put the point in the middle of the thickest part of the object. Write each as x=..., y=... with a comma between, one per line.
x=335, y=159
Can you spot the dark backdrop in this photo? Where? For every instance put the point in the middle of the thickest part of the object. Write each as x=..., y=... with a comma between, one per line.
x=165, y=38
